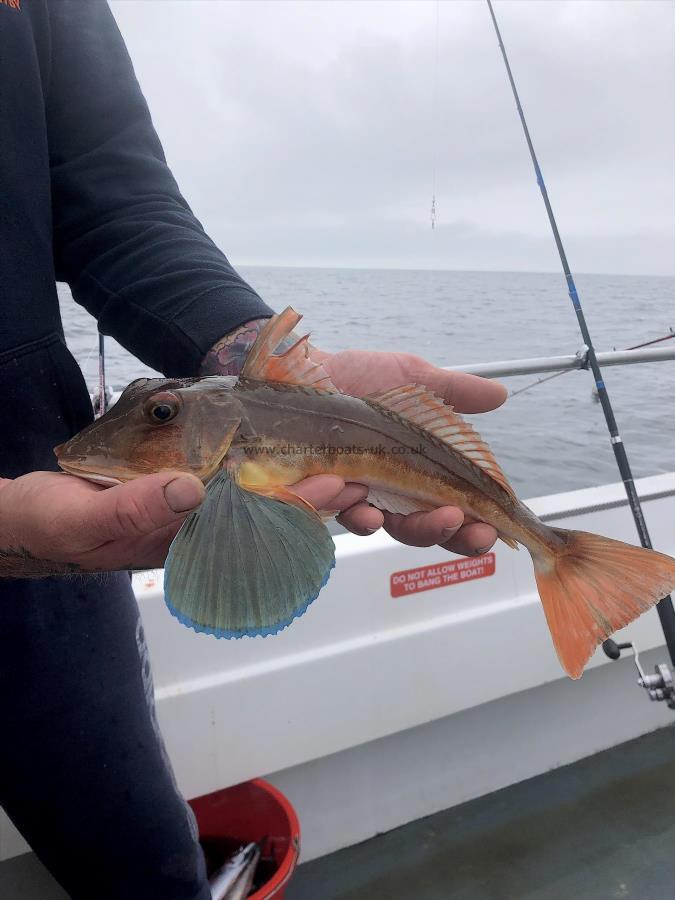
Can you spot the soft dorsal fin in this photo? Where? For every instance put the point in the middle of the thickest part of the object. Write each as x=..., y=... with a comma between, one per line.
x=414, y=403
x=294, y=366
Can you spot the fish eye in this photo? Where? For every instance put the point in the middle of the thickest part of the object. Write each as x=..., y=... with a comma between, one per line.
x=162, y=412
x=162, y=407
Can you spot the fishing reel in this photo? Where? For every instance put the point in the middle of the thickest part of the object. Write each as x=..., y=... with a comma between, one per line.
x=659, y=686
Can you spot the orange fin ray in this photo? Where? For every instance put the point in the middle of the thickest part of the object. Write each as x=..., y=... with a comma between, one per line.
x=594, y=587
x=416, y=404
x=294, y=366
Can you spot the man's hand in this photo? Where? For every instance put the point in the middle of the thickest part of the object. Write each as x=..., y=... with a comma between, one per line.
x=52, y=524
x=361, y=372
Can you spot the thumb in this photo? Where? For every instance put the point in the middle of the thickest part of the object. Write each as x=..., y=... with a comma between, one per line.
x=145, y=504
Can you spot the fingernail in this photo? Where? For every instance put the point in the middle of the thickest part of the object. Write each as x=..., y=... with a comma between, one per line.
x=450, y=531
x=483, y=550
x=367, y=531
x=183, y=494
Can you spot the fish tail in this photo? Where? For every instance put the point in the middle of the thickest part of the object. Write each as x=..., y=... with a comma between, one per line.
x=593, y=586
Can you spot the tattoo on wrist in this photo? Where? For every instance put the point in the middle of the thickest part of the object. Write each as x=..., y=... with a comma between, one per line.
x=228, y=355
x=18, y=562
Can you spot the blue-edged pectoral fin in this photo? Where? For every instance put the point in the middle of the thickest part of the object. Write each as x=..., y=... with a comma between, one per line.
x=246, y=563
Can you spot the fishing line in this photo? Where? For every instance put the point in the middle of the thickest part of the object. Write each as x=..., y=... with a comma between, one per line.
x=432, y=278
x=528, y=387
x=102, y=405
x=85, y=362
x=665, y=605
x=434, y=128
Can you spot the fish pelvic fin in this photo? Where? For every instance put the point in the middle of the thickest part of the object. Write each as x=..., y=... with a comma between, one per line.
x=437, y=419
x=593, y=587
x=246, y=564
x=294, y=366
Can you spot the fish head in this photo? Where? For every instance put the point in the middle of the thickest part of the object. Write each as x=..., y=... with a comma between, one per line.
x=157, y=424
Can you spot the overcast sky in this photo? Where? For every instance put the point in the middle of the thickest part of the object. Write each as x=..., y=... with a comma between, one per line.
x=306, y=133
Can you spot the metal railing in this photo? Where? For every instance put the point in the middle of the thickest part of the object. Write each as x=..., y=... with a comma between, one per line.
x=561, y=363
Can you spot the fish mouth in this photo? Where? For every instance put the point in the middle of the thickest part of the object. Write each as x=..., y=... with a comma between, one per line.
x=96, y=477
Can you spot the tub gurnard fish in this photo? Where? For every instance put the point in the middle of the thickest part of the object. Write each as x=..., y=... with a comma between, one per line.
x=254, y=555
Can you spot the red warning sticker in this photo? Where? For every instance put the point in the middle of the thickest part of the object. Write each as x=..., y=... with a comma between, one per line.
x=455, y=571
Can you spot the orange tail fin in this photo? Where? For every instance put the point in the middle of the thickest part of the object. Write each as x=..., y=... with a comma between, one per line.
x=595, y=586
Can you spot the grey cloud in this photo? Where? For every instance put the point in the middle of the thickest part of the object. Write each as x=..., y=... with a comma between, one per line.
x=306, y=134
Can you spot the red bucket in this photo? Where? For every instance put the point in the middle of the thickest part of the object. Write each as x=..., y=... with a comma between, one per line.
x=252, y=811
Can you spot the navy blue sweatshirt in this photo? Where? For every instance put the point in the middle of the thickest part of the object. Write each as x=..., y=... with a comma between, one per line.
x=86, y=197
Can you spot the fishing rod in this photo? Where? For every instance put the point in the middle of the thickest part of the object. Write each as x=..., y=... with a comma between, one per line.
x=102, y=404
x=665, y=605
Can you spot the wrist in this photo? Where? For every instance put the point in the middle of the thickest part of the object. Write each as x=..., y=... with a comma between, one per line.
x=228, y=355
x=18, y=555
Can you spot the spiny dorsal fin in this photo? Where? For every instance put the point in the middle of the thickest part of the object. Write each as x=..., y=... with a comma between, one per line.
x=414, y=403
x=294, y=366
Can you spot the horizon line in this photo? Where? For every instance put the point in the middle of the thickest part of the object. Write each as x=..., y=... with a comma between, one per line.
x=375, y=268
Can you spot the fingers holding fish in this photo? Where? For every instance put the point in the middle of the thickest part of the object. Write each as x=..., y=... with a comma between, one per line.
x=445, y=526
x=472, y=539
x=424, y=529
x=144, y=505
x=362, y=519
x=330, y=493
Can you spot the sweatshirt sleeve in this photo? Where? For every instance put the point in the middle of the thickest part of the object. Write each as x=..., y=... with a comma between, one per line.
x=125, y=240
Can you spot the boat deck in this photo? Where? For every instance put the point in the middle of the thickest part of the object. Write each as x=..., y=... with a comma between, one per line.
x=601, y=828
